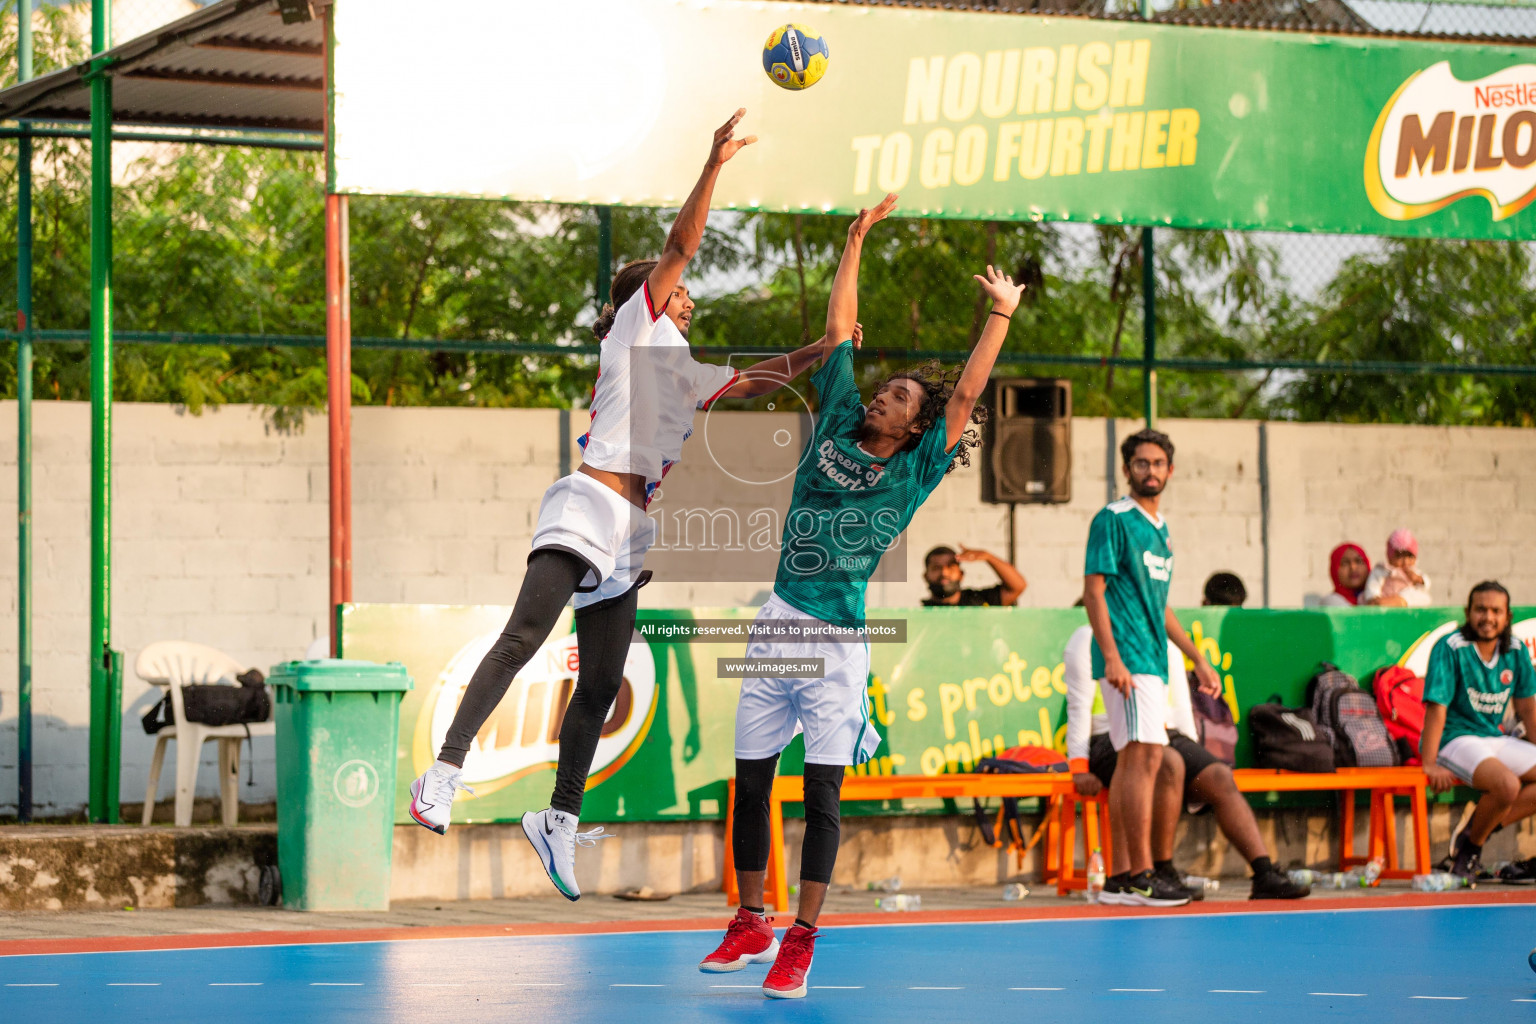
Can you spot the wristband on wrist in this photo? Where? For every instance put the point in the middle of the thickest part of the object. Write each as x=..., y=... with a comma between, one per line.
x=997, y=312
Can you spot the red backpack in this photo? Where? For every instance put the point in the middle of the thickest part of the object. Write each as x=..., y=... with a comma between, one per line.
x=1400, y=698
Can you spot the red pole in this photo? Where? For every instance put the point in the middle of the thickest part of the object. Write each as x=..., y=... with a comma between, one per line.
x=338, y=363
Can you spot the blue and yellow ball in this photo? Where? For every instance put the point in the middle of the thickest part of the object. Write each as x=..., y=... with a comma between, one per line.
x=795, y=57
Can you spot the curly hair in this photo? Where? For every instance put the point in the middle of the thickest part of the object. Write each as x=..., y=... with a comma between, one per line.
x=625, y=283
x=938, y=384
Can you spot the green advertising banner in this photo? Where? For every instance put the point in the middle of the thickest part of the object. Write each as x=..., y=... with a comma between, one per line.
x=965, y=114
x=965, y=683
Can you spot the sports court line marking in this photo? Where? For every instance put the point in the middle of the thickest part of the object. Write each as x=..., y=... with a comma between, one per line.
x=133, y=984
x=921, y=918
x=1035, y=988
x=1523, y=1000
x=31, y=984
x=1351, y=995
x=1138, y=990
x=1237, y=991
x=1450, y=998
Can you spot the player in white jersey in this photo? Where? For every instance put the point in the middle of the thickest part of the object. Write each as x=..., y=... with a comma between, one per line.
x=593, y=532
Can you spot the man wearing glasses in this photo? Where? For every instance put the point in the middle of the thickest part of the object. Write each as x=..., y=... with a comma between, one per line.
x=1125, y=592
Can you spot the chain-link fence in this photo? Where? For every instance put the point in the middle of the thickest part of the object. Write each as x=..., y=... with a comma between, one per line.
x=1279, y=314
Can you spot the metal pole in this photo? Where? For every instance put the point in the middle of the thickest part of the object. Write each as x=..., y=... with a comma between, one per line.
x=1264, y=503
x=106, y=695
x=338, y=364
x=1148, y=330
x=24, y=433
x=604, y=253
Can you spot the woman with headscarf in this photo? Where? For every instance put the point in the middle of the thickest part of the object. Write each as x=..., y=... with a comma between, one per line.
x=1348, y=567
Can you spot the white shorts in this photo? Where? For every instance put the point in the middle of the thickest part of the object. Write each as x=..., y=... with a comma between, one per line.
x=1464, y=753
x=1140, y=718
x=593, y=522
x=832, y=711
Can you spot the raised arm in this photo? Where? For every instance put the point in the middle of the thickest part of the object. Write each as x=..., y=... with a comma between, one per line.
x=688, y=230
x=771, y=374
x=973, y=379
x=843, y=305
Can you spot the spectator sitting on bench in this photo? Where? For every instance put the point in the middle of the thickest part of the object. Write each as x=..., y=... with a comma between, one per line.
x=1189, y=774
x=1473, y=674
x=943, y=574
x=1397, y=583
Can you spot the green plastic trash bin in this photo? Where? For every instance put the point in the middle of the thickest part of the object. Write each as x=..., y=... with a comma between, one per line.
x=338, y=723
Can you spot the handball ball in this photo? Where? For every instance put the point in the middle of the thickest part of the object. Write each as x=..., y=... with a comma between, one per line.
x=795, y=57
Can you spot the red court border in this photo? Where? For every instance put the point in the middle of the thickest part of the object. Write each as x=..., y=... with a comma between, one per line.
x=120, y=944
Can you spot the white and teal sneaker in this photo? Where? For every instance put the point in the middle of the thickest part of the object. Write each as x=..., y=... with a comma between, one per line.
x=432, y=796
x=554, y=838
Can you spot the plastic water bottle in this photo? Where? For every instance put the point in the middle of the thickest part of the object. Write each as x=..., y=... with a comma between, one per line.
x=1371, y=873
x=1014, y=891
x=1095, y=876
x=1303, y=876
x=900, y=901
x=1202, y=884
x=1440, y=881
x=892, y=884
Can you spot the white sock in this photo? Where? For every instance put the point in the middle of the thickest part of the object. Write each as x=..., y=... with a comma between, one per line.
x=446, y=768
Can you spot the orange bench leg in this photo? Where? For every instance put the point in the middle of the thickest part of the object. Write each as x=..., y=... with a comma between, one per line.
x=777, y=887
x=1068, y=867
x=1389, y=830
x=1102, y=808
x=732, y=896
x=1346, y=829
x=1420, y=830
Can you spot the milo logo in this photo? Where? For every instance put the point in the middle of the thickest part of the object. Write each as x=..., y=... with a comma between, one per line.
x=1440, y=139
x=523, y=733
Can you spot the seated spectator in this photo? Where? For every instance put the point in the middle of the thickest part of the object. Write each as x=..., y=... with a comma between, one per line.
x=943, y=574
x=1398, y=583
x=1348, y=567
x=1225, y=588
x=1473, y=675
x=1189, y=775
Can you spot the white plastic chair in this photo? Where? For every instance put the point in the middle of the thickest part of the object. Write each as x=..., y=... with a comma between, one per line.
x=174, y=664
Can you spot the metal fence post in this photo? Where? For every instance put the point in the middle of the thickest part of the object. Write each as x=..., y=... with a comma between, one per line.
x=24, y=432
x=604, y=254
x=1148, y=330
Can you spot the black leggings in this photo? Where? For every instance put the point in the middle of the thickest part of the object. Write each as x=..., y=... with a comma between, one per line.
x=603, y=633
x=823, y=831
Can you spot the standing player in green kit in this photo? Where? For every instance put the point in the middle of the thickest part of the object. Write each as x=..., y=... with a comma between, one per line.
x=1125, y=592
x=855, y=492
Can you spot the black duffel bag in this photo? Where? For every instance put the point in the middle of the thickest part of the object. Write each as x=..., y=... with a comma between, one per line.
x=1289, y=738
x=216, y=703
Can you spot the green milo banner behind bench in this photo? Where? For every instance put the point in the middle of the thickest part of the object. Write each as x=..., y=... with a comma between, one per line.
x=965, y=683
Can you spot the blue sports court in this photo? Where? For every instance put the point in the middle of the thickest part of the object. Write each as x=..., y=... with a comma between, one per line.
x=1444, y=964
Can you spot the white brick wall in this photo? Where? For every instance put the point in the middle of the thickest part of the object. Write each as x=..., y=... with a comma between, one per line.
x=220, y=533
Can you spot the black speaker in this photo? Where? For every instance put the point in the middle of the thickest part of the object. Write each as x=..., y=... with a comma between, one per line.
x=1026, y=453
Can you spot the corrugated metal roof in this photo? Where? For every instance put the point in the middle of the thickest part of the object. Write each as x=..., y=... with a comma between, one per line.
x=233, y=64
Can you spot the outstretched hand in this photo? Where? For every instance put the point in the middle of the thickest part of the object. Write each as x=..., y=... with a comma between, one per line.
x=726, y=145
x=858, y=336
x=869, y=218
x=1005, y=295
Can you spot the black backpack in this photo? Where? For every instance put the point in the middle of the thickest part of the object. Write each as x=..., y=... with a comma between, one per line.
x=1013, y=761
x=216, y=703
x=1213, y=721
x=1360, y=737
x=1289, y=738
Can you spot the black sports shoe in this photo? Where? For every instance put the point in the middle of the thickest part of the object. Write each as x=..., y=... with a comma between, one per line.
x=1276, y=885
x=1468, y=863
x=1176, y=881
x=1520, y=872
x=1115, y=888
x=1148, y=890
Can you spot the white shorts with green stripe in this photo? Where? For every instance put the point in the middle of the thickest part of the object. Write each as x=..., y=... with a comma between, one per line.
x=1140, y=718
x=832, y=709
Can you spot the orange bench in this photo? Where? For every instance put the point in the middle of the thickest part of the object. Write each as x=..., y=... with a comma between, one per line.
x=1383, y=784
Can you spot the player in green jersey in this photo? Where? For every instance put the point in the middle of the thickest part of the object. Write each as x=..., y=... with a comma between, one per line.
x=1473, y=675
x=1126, y=578
x=866, y=474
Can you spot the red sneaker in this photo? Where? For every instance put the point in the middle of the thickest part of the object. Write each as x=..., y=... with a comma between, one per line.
x=786, y=978
x=749, y=939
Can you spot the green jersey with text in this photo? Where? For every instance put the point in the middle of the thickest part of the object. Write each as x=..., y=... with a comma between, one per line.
x=1473, y=691
x=848, y=505
x=1131, y=551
